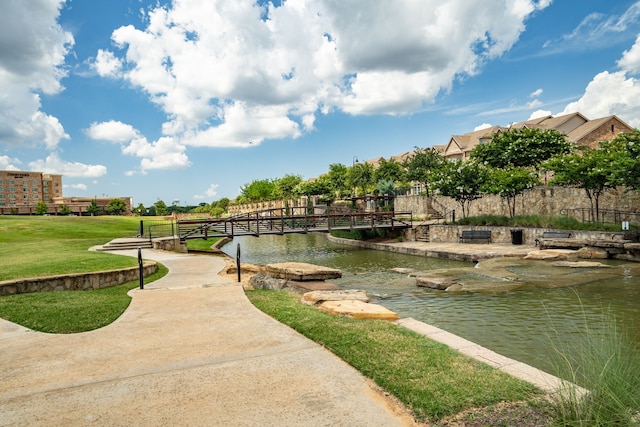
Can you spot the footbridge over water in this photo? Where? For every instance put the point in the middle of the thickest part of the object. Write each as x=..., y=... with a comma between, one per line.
x=292, y=220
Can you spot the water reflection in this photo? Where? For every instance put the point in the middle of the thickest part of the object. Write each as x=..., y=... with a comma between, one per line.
x=518, y=323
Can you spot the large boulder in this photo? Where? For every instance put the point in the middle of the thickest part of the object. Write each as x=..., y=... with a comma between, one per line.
x=590, y=252
x=301, y=271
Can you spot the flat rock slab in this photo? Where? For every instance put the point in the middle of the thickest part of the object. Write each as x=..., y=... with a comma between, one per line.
x=440, y=283
x=301, y=271
x=315, y=286
x=358, y=310
x=316, y=297
x=545, y=254
x=580, y=264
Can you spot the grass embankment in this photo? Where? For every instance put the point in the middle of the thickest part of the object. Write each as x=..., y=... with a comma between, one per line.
x=46, y=246
x=432, y=380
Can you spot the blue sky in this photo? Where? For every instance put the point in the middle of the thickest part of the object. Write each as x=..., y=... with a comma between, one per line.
x=186, y=100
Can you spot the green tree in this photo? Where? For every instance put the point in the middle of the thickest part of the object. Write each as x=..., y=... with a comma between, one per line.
x=286, y=187
x=424, y=166
x=361, y=175
x=93, y=208
x=523, y=147
x=116, y=207
x=592, y=170
x=625, y=158
x=41, y=208
x=462, y=181
x=389, y=170
x=509, y=183
x=64, y=210
x=160, y=208
x=338, y=179
x=257, y=191
x=140, y=210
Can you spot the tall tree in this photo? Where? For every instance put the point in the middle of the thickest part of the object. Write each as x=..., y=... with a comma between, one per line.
x=258, y=191
x=389, y=170
x=116, y=207
x=462, y=181
x=338, y=178
x=160, y=208
x=423, y=166
x=522, y=147
x=625, y=152
x=592, y=170
x=509, y=183
x=361, y=176
x=286, y=187
x=93, y=208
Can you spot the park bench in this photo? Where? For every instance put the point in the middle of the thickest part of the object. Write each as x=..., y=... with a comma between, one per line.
x=554, y=235
x=471, y=235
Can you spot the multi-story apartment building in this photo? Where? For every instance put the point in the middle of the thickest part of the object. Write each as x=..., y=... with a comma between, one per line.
x=22, y=191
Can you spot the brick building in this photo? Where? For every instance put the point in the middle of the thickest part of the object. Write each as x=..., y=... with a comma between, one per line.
x=21, y=191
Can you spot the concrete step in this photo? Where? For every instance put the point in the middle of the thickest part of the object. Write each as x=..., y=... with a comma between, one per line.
x=126, y=243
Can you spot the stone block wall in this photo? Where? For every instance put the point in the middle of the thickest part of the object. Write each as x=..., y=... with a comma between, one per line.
x=536, y=201
x=451, y=234
x=76, y=282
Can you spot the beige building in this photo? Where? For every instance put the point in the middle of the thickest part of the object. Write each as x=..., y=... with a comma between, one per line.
x=578, y=129
x=21, y=191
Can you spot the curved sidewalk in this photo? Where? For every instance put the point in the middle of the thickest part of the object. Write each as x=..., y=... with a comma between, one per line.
x=189, y=350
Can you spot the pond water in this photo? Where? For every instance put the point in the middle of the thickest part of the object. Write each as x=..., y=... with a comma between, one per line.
x=520, y=322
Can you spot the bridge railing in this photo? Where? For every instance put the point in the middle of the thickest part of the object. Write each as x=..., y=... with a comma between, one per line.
x=292, y=220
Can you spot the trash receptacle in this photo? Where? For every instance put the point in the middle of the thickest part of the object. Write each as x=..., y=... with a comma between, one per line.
x=516, y=236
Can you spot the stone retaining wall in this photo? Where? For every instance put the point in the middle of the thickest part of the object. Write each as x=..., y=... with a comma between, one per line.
x=451, y=234
x=76, y=282
x=536, y=201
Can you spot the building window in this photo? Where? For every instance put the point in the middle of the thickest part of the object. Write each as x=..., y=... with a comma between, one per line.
x=12, y=189
x=12, y=196
x=11, y=182
x=46, y=190
x=1, y=196
x=34, y=183
x=35, y=190
x=35, y=197
x=1, y=188
x=417, y=189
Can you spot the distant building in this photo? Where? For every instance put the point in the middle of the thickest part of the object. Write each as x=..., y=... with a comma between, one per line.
x=578, y=129
x=21, y=191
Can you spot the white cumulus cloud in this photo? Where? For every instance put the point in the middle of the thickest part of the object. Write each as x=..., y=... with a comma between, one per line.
x=107, y=64
x=33, y=47
x=54, y=164
x=113, y=131
x=234, y=73
x=8, y=163
x=209, y=193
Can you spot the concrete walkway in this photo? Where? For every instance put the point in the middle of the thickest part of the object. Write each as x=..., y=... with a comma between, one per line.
x=190, y=350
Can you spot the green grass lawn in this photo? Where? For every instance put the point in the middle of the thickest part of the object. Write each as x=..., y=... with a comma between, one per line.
x=428, y=377
x=35, y=246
